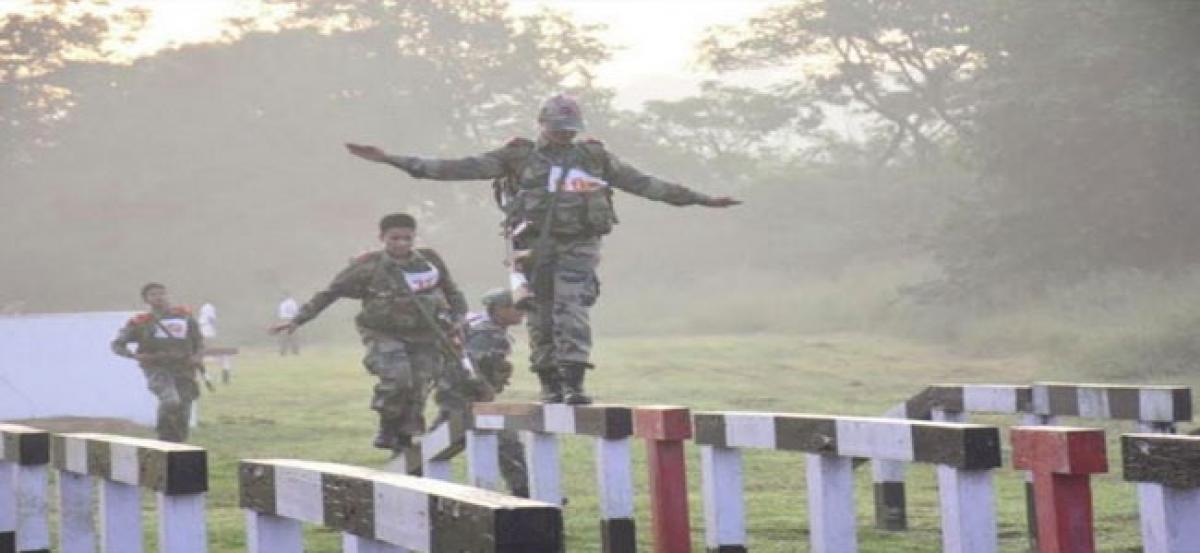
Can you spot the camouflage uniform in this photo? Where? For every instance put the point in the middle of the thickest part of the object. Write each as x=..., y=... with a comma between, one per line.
x=577, y=179
x=173, y=341
x=488, y=345
x=402, y=349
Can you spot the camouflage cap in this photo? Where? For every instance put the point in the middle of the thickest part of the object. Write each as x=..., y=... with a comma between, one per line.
x=497, y=297
x=561, y=113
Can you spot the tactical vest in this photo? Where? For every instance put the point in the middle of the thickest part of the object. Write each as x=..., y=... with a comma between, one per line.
x=390, y=306
x=165, y=335
x=584, y=204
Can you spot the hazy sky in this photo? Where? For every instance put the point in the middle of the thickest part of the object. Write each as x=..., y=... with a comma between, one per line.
x=654, y=39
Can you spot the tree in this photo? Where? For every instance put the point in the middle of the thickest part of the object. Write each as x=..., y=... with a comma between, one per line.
x=35, y=46
x=905, y=65
x=1078, y=120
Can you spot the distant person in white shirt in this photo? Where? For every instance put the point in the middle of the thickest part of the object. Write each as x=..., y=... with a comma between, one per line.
x=208, y=320
x=288, y=341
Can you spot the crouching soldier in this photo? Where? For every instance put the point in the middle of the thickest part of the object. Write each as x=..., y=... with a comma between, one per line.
x=168, y=350
x=488, y=346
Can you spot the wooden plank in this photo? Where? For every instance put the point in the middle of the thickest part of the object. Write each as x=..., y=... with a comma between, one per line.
x=1164, y=459
x=404, y=511
x=171, y=468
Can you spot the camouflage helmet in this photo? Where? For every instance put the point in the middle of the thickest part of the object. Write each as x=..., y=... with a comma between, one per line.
x=561, y=113
x=497, y=297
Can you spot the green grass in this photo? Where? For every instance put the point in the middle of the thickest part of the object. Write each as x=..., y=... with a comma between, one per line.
x=315, y=407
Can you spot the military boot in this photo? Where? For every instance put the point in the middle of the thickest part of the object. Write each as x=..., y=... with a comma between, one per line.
x=572, y=378
x=389, y=433
x=551, y=386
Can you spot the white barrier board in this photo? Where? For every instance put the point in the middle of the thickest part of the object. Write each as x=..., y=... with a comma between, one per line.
x=54, y=365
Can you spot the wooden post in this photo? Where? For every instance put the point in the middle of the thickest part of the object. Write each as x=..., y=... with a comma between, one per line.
x=483, y=459
x=831, y=520
x=121, y=517
x=665, y=428
x=541, y=457
x=76, y=530
x=968, y=509
x=1062, y=460
x=181, y=523
x=358, y=544
x=614, y=477
x=24, y=456
x=724, y=505
x=610, y=427
x=273, y=534
x=1167, y=470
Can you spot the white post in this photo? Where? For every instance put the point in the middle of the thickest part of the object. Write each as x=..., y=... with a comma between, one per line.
x=438, y=470
x=1166, y=516
x=121, y=517
x=887, y=477
x=614, y=478
x=1169, y=518
x=358, y=544
x=541, y=456
x=33, y=531
x=273, y=534
x=831, y=503
x=968, y=508
x=724, y=506
x=8, y=501
x=483, y=459
x=77, y=530
x=181, y=525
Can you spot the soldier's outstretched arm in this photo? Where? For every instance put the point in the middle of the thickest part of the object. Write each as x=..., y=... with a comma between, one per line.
x=350, y=283
x=486, y=166
x=628, y=178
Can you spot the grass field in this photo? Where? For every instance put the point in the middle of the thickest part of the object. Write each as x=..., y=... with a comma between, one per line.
x=315, y=407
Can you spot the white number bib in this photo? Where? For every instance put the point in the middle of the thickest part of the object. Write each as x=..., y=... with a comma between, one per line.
x=171, y=328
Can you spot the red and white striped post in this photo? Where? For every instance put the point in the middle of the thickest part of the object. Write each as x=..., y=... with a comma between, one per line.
x=665, y=428
x=1061, y=460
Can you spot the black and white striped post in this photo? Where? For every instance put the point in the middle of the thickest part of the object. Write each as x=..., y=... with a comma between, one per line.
x=386, y=512
x=177, y=473
x=964, y=455
x=1167, y=469
x=611, y=427
x=949, y=402
x=1152, y=408
x=24, y=455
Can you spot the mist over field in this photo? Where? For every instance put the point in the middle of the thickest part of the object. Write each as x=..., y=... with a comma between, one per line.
x=1011, y=176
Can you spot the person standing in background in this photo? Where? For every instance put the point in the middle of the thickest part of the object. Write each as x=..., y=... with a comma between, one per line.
x=207, y=318
x=288, y=309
